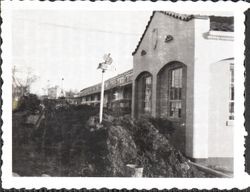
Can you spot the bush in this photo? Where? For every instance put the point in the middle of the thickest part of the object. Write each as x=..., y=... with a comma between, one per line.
x=71, y=142
x=28, y=103
x=164, y=126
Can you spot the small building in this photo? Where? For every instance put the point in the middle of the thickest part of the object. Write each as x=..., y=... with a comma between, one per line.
x=183, y=71
x=53, y=92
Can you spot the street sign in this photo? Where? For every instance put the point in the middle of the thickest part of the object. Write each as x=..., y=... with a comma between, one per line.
x=107, y=59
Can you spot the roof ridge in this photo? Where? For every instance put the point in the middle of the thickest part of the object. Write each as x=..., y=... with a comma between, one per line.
x=144, y=32
x=183, y=17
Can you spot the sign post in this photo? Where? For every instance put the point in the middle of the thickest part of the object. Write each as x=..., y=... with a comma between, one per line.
x=103, y=66
x=102, y=96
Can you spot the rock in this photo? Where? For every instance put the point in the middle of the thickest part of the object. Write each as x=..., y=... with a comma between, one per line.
x=91, y=122
x=32, y=119
x=45, y=175
x=134, y=170
x=185, y=166
x=15, y=174
x=99, y=126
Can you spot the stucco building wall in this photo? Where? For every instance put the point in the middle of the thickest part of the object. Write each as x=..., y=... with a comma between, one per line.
x=180, y=49
x=220, y=126
x=198, y=48
x=209, y=76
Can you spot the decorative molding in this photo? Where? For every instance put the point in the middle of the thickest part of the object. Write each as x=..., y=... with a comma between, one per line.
x=169, y=38
x=219, y=35
x=143, y=52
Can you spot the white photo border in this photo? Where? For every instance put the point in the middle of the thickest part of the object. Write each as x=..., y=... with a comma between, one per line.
x=241, y=179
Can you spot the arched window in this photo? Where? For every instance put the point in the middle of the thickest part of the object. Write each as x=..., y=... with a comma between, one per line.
x=171, y=81
x=147, y=94
x=175, y=93
x=143, y=93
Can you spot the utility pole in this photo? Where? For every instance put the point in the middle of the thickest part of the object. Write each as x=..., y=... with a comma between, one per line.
x=103, y=66
x=62, y=92
x=48, y=88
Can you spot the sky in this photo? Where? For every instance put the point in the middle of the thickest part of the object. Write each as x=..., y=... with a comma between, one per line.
x=56, y=44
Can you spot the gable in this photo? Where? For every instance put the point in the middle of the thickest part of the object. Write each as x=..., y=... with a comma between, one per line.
x=182, y=17
x=217, y=23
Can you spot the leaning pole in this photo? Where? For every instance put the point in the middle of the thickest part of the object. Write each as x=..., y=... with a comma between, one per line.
x=102, y=96
x=103, y=66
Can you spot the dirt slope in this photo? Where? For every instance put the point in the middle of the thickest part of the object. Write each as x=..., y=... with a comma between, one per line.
x=71, y=142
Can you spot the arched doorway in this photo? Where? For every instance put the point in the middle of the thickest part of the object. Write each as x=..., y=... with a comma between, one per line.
x=171, y=91
x=143, y=94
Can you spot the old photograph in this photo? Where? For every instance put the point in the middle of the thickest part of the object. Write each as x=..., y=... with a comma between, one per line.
x=122, y=94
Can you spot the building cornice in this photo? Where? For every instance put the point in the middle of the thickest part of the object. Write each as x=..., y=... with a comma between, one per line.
x=219, y=35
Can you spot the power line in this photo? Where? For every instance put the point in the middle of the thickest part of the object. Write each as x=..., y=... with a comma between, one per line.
x=77, y=28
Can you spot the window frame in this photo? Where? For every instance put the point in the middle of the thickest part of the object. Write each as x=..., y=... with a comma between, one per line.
x=231, y=92
x=179, y=94
x=144, y=93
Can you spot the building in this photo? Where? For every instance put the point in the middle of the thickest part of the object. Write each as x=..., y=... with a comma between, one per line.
x=53, y=92
x=183, y=70
x=117, y=93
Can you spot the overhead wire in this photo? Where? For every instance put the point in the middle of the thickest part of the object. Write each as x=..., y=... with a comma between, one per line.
x=78, y=28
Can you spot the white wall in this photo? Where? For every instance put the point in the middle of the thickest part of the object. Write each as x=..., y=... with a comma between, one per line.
x=207, y=52
x=220, y=133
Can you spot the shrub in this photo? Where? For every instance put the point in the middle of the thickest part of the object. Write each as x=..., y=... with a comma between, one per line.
x=163, y=125
x=28, y=103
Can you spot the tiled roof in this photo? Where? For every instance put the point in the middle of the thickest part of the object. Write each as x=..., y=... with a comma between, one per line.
x=216, y=23
x=183, y=17
x=221, y=23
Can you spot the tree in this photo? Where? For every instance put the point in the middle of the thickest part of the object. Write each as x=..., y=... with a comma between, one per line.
x=22, y=81
x=71, y=93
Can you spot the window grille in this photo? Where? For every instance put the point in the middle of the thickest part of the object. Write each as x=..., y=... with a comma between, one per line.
x=175, y=93
x=231, y=93
x=148, y=94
